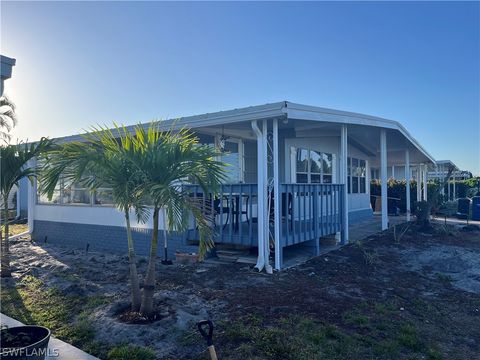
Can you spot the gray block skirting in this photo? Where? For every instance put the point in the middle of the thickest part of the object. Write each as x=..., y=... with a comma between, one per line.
x=105, y=238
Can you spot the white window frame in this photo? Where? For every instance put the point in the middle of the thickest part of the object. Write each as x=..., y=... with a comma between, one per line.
x=241, y=154
x=350, y=177
x=293, y=165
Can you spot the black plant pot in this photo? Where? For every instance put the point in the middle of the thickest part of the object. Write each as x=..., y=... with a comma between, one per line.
x=28, y=342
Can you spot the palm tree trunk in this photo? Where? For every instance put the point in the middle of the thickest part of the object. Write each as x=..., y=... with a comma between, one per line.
x=146, y=308
x=136, y=297
x=5, y=258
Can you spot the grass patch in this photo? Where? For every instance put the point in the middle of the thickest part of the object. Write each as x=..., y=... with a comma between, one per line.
x=409, y=337
x=127, y=352
x=356, y=319
x=14, y=229
x=446, y=279
x=31, y=302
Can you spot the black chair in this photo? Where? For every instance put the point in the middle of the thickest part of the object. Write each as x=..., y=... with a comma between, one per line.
x=219, y=208
x=237, y=210
x=215, y=208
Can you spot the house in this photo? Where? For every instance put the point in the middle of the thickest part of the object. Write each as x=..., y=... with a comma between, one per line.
x=6, y=65
x=441, y=172
x=297, y=173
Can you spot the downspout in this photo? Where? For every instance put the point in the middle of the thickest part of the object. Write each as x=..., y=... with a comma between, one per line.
x=32, y=194
x=261, y=197
x=18, y=201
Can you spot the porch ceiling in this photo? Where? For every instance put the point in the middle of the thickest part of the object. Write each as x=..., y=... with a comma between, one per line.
x=366, y=138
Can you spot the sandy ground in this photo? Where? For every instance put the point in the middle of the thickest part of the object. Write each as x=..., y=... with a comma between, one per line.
x=440, y=268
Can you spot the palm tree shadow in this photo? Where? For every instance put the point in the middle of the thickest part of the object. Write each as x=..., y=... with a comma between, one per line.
x=12, y=303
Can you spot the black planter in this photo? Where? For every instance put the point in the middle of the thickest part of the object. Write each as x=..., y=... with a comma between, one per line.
x=28, y=342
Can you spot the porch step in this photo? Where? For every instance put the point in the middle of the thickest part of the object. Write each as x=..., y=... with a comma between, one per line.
x=230, y=255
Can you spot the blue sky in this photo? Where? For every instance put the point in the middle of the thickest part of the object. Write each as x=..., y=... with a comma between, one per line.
x=80, y=64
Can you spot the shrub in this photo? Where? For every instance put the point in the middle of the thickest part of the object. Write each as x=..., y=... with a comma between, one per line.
x=397, y=189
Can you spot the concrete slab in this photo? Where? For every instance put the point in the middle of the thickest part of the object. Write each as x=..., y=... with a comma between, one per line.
x=58, y=349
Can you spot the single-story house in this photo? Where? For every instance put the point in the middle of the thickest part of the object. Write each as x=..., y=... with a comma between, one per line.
x=441, y=172
x=297, y=173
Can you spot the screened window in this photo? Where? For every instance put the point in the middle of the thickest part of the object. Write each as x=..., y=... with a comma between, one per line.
x=74, y=193
x=69, y=193
x=103, y=196
x=313, y=166
x=357, y=176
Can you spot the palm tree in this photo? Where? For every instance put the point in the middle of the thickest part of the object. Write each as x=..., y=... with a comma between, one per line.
x=103, y=160
x=169, y=158
x=7, y=118
x=16, y=164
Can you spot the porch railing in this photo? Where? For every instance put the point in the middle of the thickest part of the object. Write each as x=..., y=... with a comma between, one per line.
x=308, y=212
x=233, y=210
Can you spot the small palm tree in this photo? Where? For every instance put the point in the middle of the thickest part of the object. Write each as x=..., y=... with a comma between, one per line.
x=15, y=164
x=169, y=158
x=8, y=119
x=103, y=160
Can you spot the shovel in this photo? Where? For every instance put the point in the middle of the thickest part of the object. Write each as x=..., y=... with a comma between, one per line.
x=208, y=336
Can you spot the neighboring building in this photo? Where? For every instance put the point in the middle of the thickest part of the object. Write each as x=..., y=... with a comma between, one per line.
x=317, y=162
x=6, y=65
x=441, y=172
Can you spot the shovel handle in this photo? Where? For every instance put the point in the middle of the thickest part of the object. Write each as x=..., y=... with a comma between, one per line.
x=213, y=353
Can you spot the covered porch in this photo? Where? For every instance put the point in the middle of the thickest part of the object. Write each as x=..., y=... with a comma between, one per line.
x=297, y=174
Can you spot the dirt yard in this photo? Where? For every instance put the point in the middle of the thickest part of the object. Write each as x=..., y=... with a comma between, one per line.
x=415, y=296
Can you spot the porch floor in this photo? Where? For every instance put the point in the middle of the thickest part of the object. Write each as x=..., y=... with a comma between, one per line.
x=300, y=253
x=372, y=226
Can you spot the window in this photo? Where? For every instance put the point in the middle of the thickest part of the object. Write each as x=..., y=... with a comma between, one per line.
x=233, y=156
x=313, y=166
x=357, y=176
x=75, y=193
x=103, y=196
x=68, y=193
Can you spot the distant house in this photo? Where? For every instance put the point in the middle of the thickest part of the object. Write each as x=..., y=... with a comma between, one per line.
x=441, y=173
x=6, y=65
x=297, y=173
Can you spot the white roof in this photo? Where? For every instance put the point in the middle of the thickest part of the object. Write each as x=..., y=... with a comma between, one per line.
x=283, y=109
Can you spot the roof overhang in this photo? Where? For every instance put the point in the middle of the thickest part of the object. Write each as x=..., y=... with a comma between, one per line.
x=281, y=110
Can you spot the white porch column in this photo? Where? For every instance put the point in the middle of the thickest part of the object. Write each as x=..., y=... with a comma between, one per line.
x=407, y=185
x=425, y=185
x=344, y=179
x=266, y=210
x=262, y=194
x=393, y=171
x=448, y=184
x=383, y=174
x=276, y=195
x=454, y=189
x=419, y=183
